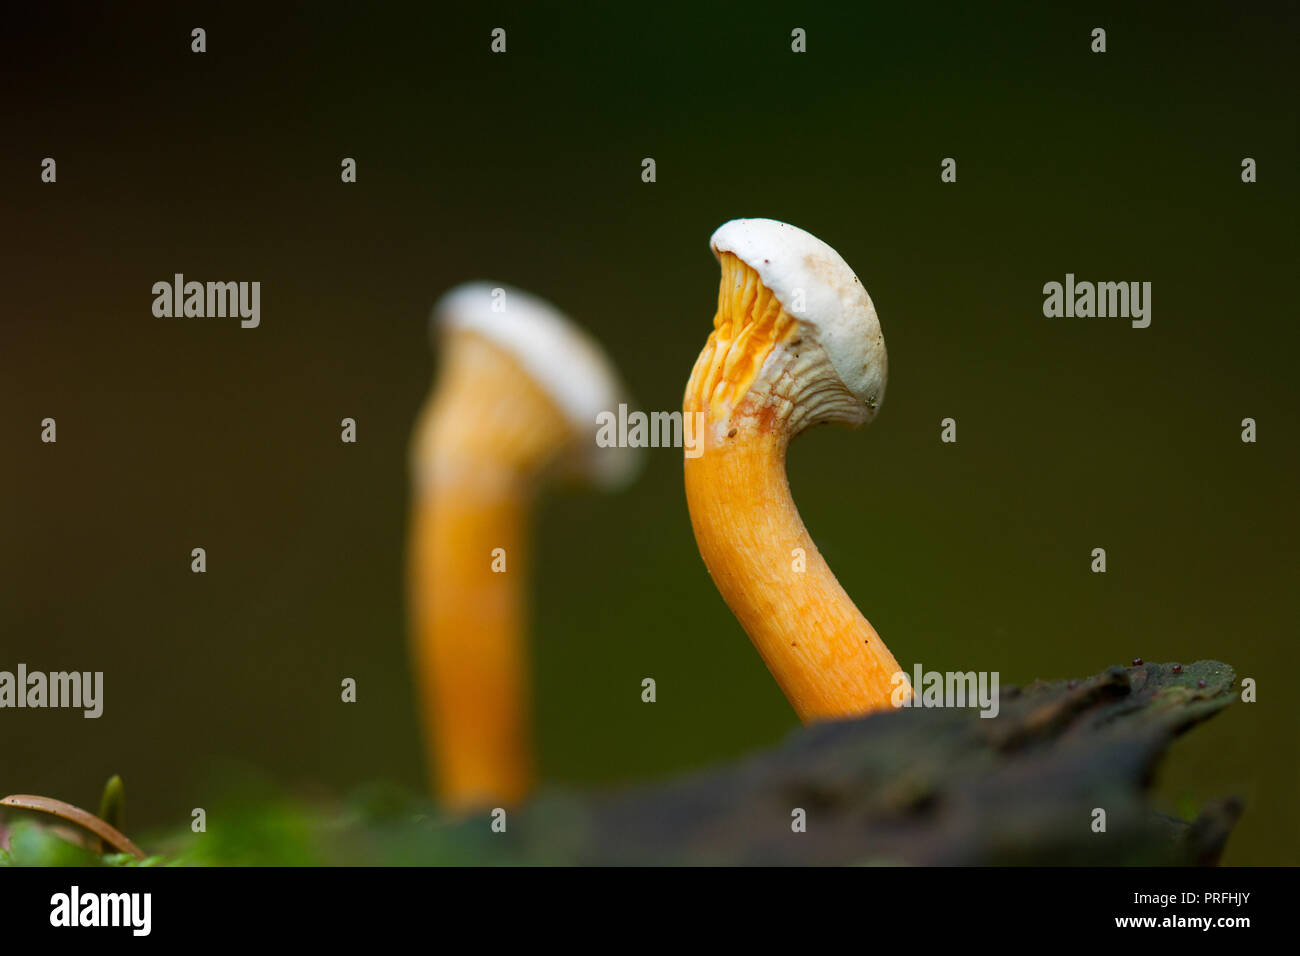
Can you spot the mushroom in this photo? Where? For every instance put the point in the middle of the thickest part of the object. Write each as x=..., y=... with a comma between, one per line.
x=515, y=402
x=795, y=343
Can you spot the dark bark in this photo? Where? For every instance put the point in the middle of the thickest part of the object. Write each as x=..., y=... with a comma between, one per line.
x=922, y=786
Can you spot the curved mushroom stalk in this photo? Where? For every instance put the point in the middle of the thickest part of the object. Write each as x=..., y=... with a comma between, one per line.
x=516, y=402
x=795, y=343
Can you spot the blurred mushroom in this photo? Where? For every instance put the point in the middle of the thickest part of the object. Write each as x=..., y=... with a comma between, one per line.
x=515, y=402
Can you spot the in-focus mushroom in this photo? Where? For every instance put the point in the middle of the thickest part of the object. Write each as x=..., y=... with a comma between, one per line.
x=515, y=402
x=795, y=343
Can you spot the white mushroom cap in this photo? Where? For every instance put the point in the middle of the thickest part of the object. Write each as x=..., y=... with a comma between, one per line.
x=559, y=356
x=836, y=309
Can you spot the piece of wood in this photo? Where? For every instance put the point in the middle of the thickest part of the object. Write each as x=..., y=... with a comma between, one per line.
x=923, y=787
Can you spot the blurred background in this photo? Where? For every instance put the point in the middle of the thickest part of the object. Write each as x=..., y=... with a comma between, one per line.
x=526, y=169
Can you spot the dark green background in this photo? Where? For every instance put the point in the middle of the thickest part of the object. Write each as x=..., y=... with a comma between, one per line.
x=525, y=168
